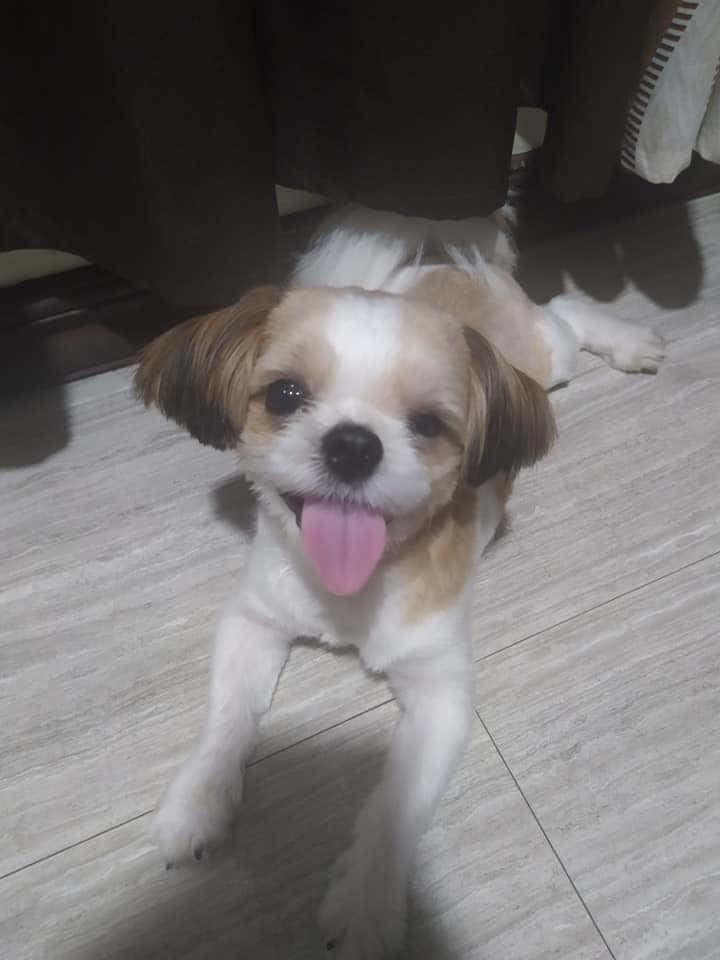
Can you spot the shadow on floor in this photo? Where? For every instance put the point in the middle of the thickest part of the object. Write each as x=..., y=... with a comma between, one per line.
x=657, y=252
x=259, y=898
x=34, y=421
x=235, y=504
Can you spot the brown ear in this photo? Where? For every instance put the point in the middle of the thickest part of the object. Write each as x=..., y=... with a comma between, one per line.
x=198, y=373
x=510, y=423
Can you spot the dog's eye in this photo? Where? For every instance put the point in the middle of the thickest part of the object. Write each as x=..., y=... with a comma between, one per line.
x=284, y=396
x=426, y=424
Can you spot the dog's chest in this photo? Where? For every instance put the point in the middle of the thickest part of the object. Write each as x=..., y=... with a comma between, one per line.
x=374, y=621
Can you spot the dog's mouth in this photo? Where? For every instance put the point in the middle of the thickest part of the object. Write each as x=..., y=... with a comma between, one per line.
x=295, y=502
x=343, y=541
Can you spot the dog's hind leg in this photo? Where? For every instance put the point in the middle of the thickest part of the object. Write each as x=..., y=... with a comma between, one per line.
x=625, y=346
x=563, y=348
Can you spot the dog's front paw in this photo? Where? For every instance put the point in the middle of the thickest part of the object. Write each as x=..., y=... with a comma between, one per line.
x=637, y=350
x=193, y=818
x=363, y=914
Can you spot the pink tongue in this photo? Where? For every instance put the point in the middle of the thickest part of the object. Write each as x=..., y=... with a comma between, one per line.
x=343, y=542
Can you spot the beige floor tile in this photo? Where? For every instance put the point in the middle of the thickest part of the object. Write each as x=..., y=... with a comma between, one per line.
x=487, y=883
x=611, y=725
x=629, y=493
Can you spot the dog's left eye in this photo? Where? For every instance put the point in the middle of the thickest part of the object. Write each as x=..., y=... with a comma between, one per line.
x=426, y=424
x=284, y=396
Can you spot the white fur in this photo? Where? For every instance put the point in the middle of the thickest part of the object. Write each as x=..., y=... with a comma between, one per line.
x=623, y=345
x=428, y=664
x=365, y=248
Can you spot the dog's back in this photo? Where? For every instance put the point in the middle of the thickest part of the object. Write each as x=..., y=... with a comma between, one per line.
x=462, y=268
x=357, y=247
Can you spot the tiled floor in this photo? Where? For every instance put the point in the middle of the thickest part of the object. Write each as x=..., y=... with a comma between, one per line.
x=585, y=820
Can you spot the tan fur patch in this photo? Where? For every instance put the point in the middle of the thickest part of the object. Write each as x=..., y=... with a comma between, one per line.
x=296, y=344
x=296, y=348
x=442, y=457
x=509, y=422
x=498, y=308
x=434, y=366
x=260, y=425
x=437, y=563
x=199, y=372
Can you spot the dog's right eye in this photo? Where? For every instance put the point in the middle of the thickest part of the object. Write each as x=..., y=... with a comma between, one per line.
x=284, y=396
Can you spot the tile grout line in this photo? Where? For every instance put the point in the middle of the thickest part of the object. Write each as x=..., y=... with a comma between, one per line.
x=145, y=813
x=311, y=736
x=377, y=706
x=594, y=607
x=71, y=846
x=547, y=838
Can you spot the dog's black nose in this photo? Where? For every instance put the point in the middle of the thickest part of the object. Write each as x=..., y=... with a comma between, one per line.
x=352, y=452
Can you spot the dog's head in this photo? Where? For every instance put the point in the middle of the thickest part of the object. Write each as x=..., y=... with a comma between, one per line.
x=359, y=414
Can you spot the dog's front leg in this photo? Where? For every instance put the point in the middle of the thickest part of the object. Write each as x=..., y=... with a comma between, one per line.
x=363, y=914
x=199, y=805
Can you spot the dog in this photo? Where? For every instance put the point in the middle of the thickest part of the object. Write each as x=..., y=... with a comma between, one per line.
x=382, y=404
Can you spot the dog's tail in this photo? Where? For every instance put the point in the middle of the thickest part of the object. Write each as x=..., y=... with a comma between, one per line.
x=358, y=247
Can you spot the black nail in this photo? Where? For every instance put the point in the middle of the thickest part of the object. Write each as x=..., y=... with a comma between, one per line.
x=330, y=945
x=198, y=852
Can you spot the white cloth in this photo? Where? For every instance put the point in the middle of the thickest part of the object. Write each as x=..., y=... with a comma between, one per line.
x=676, y=107
x=708, y=141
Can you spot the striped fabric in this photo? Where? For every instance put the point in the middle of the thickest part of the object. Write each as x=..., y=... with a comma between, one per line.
x=676, y=106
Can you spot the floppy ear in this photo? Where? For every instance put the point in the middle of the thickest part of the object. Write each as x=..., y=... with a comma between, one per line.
x=198, y=373
x=510, y=421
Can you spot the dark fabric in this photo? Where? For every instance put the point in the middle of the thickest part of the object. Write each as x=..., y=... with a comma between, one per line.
x=595, y=57
x=136, y=135
x=148, y=138
x=402, y=106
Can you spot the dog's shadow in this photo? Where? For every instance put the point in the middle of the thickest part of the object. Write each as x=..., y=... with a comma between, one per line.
x=657, y=253
x=235, y=504
x=35, y=423
x=259, y=898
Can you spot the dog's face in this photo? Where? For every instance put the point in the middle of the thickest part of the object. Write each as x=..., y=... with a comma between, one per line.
x=358, y=414
x=360, y=398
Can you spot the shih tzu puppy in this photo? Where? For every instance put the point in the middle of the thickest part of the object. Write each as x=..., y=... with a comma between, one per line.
x=381, y=405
